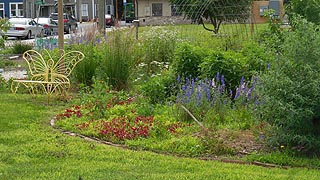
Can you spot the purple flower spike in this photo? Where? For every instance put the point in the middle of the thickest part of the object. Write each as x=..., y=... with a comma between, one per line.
x=222, y=81
x=178, y=79
x=208, y=93
x=192, y=85
x=241, y=81
x=218, y=76
x=238, y=92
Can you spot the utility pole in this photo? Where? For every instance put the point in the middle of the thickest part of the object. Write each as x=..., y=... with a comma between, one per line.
x=117, y=15
x=101, y=15
x=60, y=26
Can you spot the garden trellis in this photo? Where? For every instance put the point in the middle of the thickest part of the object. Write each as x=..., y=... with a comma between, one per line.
x=229, y=20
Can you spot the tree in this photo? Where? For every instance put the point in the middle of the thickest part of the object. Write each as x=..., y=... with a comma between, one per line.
x=214, y=11
x=309, y=9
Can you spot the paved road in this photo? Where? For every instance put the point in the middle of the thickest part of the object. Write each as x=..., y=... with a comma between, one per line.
x=82, y=27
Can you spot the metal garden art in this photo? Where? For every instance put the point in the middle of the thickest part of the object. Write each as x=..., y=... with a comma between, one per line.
x=48, y=76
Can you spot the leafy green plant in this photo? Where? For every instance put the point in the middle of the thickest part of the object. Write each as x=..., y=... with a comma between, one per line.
x=232, y=65
x=290, y=91
x=20, y=48
x=159, y=45
x=159, y=88
x=187, y=60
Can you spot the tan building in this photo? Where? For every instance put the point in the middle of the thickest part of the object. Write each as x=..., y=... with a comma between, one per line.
x=258, y=8
x=154, y=12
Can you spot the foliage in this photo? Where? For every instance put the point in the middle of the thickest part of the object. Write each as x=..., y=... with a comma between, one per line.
x=44, y=148
x=232, y=65
x=120, y=118
x=273, y=37
x=20, y=47
x=117, y=59
x=290, y=91
x=211, y=102
x=89, y=44
x=4, y=26
x=158, y=89
x=159, y=45
x=214, y=11
x=187, y=60
x=309, y=9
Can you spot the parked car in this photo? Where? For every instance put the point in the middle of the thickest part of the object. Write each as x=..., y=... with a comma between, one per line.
x=50, y=26
x=70, y=22
x=109, y=20
x=24, y=28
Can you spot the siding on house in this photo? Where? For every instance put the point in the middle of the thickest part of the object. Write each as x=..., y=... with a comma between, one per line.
x=11, y=8
x=84, y=10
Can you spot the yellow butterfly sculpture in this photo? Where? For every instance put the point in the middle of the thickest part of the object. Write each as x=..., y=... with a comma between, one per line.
x=48, y=76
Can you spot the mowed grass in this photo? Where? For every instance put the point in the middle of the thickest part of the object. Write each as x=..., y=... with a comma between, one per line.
x=31, y=149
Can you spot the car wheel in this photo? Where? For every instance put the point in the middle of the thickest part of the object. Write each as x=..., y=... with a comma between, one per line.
x=68, y=30
x=29, y=35
x=75, y=28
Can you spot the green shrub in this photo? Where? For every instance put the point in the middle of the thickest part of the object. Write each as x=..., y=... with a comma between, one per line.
x=230, y=64
x=158, y=89
x=257, y=56
x=20, y=48
x=290, y=91
x=187, y=60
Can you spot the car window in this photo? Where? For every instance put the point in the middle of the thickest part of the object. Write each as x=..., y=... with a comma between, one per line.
x=17, y=21
x=54, y=16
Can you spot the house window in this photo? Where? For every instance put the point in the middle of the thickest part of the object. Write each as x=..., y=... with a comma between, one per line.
x=16, y=9
x=2, y=10
x=157, y=9
x=84, y=8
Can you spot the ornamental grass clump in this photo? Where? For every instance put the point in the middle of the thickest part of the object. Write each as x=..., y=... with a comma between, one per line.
x=88, y=42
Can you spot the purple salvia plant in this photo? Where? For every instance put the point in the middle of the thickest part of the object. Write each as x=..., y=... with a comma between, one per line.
x=199, y=95
x=178, y=79
x=192, y=85
x=218, y=76
x=208, y=92
x=238, y=92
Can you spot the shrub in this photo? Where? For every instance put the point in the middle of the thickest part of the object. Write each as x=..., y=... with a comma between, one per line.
x=20, y=48
x=231, y=64
x=158, y=89
x=187, y=60
x=290, y=91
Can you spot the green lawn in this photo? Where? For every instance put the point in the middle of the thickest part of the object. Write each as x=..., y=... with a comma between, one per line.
x=31, y=149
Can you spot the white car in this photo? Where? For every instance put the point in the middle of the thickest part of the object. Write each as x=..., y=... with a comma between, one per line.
x=24, y=28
